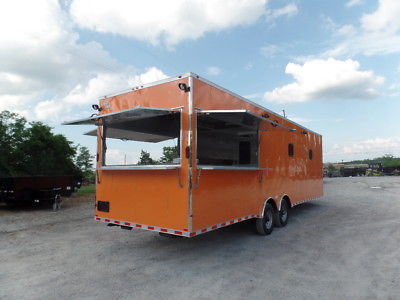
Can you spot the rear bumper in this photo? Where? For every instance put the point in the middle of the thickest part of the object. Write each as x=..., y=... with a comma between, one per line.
x=184, y=232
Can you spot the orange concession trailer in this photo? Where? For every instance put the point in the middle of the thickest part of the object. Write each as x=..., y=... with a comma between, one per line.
x=235, y=160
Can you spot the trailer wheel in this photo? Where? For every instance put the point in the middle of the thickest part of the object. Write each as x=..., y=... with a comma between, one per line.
x=56, y=202
x=282, y=216
x=265, y=225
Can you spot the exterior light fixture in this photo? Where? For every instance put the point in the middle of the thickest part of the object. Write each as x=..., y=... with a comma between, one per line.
x=183, y=87
x=96, y=107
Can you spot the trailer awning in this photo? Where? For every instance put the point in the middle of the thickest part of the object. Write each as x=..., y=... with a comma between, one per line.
x=228, y=118
x=121, y=134
x=146, y=124
x=239, y=117
x=130, y=114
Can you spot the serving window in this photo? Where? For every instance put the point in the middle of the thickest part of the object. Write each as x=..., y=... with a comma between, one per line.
x=227, y=138
x=139, y=137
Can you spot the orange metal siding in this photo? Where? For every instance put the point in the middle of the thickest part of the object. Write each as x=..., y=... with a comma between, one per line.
x=154, y=197
x=151, y=197
x=222, y=195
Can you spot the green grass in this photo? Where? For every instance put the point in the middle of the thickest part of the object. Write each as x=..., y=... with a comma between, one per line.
x=87, y=189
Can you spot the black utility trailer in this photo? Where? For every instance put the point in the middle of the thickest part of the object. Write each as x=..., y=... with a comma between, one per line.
x=37, y=189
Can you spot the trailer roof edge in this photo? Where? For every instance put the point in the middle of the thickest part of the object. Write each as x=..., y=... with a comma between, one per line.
x=248, y=101
x=146, y=85
x=194, y=75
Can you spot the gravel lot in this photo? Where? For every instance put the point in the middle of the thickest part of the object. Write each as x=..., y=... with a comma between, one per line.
x=344, y=246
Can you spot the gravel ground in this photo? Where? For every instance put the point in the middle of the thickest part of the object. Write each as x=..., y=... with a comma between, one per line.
x=345, y=246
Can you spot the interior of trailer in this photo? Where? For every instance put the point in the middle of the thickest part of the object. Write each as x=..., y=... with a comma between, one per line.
x=135, y=129
x=227, y=138
x=224, y=138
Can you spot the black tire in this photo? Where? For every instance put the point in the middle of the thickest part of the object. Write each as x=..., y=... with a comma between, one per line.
x=265, y=225
x=282, y=216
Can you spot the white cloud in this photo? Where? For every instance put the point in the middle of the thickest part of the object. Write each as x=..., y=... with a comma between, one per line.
x=107, y=83
x=288, y=10
x=253, y=96
x=40, y=54
x=361, y=149
x=352, y=3
x=325, y=80
x=269, y=51
x=385, y=18
x=45, y=70
x=336, y=29
x=170, y=21
x=378, y=33
x=94, y=88
x=301, y=120
x=346, y=30
x=50, y=110
x=328, y=24
x=213, y=71
x=394, y=86
x=119, y=157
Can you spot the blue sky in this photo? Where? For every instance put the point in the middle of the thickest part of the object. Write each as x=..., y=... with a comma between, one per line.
x=333, y=66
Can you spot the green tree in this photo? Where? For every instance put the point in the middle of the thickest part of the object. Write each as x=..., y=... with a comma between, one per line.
x=386, y=160
x=389, y=160
x=12, y=135
x=331, y=168
x=169, y=153
x=84, y=161
x=145, y=159
x=33, y=149
x=47, y=153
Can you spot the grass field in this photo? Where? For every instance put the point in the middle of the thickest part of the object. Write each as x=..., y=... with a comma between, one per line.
x=87, y=189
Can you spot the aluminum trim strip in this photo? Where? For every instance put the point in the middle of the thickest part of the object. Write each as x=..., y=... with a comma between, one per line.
x=178, y=232
x=141, y=167
x=211, y=167
x=190, y=145
x=184, y=232
x=307, y=200
x=224, y=111
x=223, y=224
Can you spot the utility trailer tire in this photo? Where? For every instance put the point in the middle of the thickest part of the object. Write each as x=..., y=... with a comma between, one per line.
x=265, y=225
x=282, y=216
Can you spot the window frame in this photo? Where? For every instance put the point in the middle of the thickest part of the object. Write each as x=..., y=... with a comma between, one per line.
x=231, y=167
x=290, y=150
x=104, y=165
x=310, y=154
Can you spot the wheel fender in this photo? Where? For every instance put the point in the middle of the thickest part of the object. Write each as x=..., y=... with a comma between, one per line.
x=268, y=200
x=280, y=201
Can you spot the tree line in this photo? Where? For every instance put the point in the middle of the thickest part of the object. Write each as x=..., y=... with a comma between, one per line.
x=31, y=148
x=386, y=160
x=169, y=153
